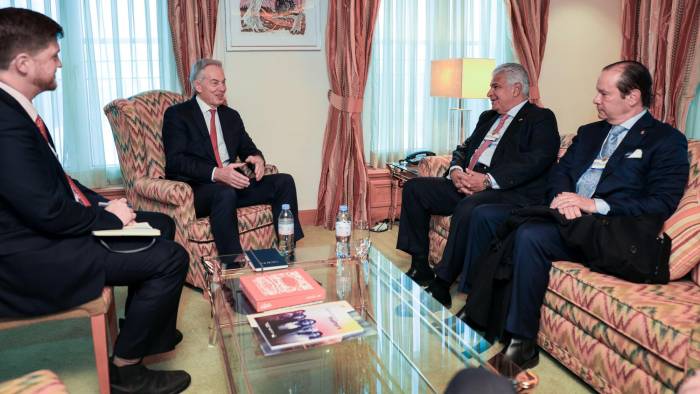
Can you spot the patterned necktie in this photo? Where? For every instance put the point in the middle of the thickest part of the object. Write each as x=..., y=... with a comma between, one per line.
x=214, y=138
x=77, y=193
x=588, y=182
x=486, y=143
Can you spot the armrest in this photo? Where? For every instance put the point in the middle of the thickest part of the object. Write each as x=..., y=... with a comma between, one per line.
x=434, y=165
x=164, y=191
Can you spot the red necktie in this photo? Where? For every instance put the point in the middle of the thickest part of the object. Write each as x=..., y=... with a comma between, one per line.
x=76, y=191
x=214, y=138
x=486, y=143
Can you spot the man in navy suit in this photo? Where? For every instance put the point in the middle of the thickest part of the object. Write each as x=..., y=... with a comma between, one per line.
x=626, y=164
x=49, y=259
x=202, y=138
x=503, y=162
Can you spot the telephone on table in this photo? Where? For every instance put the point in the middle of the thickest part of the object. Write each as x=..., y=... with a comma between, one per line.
x=415, y=157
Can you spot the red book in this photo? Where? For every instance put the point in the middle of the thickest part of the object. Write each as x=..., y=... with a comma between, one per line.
x=280, y=289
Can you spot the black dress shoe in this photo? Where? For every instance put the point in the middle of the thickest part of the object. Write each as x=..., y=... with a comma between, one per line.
x=422, y=278
x=524, y=353
x=440, y=293
x=139, y=379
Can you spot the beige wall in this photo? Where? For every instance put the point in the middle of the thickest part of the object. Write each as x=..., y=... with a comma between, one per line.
x=281, y=96
x=583, y=37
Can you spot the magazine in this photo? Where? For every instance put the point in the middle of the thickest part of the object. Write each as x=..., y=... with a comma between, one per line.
x=329, y=322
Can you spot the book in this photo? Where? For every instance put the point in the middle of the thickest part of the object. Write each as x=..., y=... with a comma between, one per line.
x=141, y=229
x=325, y=323
x=266, y=259
x=280, y=289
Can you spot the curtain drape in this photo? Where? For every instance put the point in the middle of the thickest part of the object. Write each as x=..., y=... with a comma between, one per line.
x=110, y=49
x=663, y=35
x=349, y=35
x=193, y=26
x=528, y=21
x=399, y=114
x=692, y=128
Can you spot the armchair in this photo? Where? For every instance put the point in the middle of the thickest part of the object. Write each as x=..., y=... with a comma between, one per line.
x=137, y=129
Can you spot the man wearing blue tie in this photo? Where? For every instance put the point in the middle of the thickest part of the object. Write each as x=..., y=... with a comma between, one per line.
x=627, y=164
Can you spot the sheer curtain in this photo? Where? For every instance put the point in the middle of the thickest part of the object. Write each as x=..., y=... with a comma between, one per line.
x=110, y=49
x=399, y=113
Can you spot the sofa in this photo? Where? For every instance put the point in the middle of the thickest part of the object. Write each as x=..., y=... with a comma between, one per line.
x=619, y=337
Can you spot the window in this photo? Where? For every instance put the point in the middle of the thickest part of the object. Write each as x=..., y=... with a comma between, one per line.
x=110, y=49
x=399, y=113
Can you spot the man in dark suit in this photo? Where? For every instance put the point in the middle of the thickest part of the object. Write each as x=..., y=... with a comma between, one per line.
x=49, y=259
x=627, y=164
x=202, y=139
x=504, y=162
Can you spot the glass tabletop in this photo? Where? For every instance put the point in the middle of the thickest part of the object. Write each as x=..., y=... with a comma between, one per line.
x=413, y=344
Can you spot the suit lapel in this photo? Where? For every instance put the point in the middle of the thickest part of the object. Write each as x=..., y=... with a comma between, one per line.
x=509, y=135
x=201, y=125
x=631, y=140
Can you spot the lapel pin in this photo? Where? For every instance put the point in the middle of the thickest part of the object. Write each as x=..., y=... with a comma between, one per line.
x=642, y=132
x=520, y=119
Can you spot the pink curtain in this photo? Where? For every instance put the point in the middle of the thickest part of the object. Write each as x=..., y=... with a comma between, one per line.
x=348, y=46
x=663, y=35
x=528, y=21
x=193, y=28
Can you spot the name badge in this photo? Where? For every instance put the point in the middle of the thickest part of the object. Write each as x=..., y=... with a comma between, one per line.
x=599, y=164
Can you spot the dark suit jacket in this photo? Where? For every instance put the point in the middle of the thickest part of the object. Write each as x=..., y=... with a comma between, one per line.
x=524, y=155
x=652, y=184
x=47, y=253
x=189, y=156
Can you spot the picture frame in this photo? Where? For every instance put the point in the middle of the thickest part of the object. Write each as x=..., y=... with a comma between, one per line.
x=273, y=25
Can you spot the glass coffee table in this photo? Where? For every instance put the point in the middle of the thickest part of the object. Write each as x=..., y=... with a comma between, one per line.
x=414, y=344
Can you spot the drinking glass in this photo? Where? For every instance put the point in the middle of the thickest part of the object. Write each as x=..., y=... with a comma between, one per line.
x=361, y=241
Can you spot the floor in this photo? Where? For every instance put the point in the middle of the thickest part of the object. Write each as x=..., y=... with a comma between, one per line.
x=66, y=347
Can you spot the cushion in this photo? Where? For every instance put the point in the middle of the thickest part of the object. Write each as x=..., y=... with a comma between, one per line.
x=38, y=382
x=684, y=229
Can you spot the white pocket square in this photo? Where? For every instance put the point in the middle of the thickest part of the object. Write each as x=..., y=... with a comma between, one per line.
x=637, y=154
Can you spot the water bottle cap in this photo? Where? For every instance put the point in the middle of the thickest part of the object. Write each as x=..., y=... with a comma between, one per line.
x=343, y=208
x=285, y=206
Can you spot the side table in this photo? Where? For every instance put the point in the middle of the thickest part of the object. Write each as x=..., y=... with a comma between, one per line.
x=400, y=173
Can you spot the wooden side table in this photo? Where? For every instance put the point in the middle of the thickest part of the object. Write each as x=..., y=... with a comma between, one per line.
x=400, y=173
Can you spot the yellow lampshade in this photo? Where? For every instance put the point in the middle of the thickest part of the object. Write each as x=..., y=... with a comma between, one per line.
x=461, y=78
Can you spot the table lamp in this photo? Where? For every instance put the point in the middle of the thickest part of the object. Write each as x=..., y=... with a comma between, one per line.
x=466, y=78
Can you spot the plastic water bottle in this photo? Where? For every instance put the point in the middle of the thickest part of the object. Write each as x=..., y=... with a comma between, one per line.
x=343, y=228
x=285, y=231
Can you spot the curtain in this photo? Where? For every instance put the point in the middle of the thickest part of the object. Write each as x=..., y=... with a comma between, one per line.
x=663, y=35
x=111, y=49
x=193, y=25
x=348, y=46
x=399, y=114
x=528, y=19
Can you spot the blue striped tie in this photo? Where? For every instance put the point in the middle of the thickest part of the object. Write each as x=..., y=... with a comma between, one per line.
x=588, y=182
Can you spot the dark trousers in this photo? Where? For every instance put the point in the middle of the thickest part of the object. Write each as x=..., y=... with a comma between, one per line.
x=220, y=202
x=427, y=196
x=485, y=219
x=155, y=278
x=536, y=246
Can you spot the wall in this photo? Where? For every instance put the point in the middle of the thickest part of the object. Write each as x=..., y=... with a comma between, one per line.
x=281, y=96
x=583, y=37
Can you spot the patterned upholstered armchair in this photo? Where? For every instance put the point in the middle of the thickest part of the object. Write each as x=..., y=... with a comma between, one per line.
x=136, y=125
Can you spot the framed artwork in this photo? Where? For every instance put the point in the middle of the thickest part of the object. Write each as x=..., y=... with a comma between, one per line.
x=273, y=25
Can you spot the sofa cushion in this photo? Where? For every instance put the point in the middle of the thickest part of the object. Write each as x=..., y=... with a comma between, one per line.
x=660, y=318
x=684, y=229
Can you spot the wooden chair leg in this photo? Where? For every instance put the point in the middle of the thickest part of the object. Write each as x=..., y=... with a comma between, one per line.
x=99, y=342
x=112, y=323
